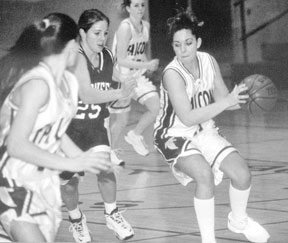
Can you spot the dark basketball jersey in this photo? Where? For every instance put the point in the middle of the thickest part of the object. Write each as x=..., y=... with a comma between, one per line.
x=101, y=78
x=90, y=127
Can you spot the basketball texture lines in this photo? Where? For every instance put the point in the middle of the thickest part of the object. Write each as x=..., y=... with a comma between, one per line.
x=263, y=93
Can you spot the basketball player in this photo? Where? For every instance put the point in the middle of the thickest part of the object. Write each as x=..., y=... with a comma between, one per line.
x=192, y=94
x=90, y=128
x=130, y=46
x=38, y=101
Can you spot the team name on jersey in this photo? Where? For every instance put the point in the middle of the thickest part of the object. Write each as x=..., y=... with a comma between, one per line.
x=136, y=48
x=49, y=132
x=201, y=99
x=101, y=85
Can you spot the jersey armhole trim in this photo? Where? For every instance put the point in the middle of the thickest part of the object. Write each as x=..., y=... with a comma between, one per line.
x=177, y=71
x=15, y=107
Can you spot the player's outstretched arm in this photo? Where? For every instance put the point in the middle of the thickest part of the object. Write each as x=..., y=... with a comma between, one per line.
x=91, y=95
x=84, y=161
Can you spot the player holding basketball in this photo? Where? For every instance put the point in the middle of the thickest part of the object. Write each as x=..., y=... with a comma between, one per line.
x=90, y=128
x=38, y=101
x=192, y=94
x=130, y=47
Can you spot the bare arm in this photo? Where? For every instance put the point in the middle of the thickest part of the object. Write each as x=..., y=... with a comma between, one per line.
x=30, y=98
x=175, y=86
x=91, y=95
x=221, y=90
x=70, y=149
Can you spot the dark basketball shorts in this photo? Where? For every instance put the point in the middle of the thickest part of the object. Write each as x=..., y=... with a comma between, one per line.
x=88, y=134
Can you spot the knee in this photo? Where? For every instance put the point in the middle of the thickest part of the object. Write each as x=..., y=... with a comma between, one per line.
x=242, y=178
x=71, y=187
x=205, y=178
x=106, y=177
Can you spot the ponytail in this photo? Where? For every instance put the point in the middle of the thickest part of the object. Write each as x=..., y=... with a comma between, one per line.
x=38, y=40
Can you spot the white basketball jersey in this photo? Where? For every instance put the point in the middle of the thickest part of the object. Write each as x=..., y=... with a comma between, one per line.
x=51, y=123
x=137, y=47
x=199, y=92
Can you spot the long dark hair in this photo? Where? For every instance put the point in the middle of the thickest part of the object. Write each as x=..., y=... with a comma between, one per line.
x=184, y=20
x=37, y=40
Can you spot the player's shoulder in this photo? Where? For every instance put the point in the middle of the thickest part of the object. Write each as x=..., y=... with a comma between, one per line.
x=205, y=57
x=203, y=54
x=125, y=28
x=107, y=52
x=174, y=63
x=146, y=23
x=125, y=24
x=39, y=72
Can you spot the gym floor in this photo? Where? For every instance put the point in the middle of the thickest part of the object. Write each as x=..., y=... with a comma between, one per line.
x=162, y=211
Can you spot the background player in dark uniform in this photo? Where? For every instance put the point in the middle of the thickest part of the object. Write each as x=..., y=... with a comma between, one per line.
x=90, y=128
x=38, y=101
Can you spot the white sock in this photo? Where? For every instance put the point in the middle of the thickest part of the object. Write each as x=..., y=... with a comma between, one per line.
x=205, y=209
x=238, y=202
x=75, y=213
x=109, y=207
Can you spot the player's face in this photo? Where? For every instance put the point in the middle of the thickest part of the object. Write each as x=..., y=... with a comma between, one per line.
x=96, y=36
x=185, y=45
x=136, y=8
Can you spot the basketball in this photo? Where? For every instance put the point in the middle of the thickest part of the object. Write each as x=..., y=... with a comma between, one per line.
x=262, y=92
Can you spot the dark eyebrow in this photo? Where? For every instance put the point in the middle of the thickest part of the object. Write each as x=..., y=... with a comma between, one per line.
x=184, y=40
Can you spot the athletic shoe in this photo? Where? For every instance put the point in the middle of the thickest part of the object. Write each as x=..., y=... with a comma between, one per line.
x=138, y=143
x=253, y=231
x=122, y=229
x=80, y=230
x=115, y=160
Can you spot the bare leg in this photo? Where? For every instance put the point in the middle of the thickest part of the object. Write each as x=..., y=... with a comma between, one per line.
x=26, y=232
x=237, y=170
x=70, y=194
x=119, y=124
x=107, y=186
x=152, y=105
x=197, y=168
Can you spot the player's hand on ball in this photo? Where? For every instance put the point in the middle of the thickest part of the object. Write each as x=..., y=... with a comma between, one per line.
x=238, y=95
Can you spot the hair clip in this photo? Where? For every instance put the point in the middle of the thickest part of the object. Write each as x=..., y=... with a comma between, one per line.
x=46, y=23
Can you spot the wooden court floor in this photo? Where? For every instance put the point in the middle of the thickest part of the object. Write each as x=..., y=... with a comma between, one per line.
x=162, y=211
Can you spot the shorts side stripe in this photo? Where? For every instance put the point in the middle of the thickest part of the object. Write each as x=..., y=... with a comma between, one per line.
x=221, y=151
x=38, y=214
x=26, y=206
